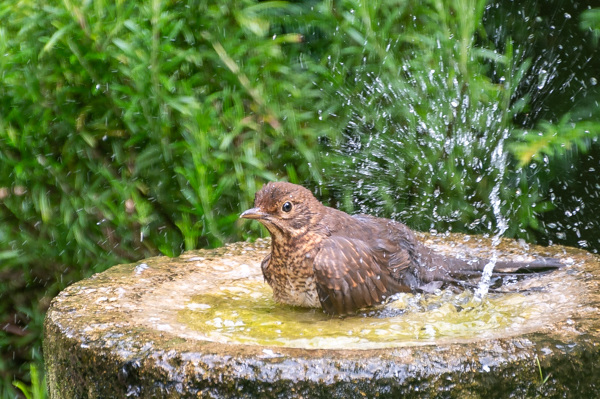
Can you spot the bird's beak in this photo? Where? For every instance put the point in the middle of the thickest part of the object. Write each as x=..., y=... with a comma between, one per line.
x=254, y=213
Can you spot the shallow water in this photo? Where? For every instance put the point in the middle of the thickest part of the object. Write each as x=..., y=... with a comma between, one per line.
x=244, y=312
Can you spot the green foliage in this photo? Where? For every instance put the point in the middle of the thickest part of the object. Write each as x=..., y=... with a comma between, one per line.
x=37, y=390
x=130, y=129
x=575, y=131
x=543, y=379
x=590, y=20
x=551, y=140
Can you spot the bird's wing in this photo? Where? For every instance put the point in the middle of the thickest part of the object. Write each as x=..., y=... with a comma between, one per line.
x=350, y=276
x=390, y=237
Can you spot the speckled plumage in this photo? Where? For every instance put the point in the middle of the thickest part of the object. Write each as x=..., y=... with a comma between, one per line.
x=322, y=257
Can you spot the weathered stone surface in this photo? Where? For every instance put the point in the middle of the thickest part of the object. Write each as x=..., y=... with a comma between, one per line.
x=127, y=332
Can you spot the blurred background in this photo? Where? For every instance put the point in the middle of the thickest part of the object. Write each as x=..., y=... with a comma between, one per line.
x=140, y=128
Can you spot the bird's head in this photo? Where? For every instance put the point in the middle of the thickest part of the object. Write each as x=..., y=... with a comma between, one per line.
x=285, y=209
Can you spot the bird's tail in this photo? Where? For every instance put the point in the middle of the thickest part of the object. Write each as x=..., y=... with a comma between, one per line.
x=503, y=267
x=457, y=271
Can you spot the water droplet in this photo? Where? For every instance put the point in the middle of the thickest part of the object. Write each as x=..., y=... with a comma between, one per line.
x=543, y=78
x=140, y=268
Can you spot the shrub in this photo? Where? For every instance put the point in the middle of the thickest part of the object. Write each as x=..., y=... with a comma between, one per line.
x=131, y=129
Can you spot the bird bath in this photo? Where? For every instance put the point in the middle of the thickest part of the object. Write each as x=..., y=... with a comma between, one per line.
x=204, y=325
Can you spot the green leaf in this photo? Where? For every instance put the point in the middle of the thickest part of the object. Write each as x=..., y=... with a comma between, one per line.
x=54, y=38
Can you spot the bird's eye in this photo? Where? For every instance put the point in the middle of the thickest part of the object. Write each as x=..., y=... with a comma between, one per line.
x=287, y=207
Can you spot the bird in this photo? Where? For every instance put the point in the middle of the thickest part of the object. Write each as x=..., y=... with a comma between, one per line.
x=322, y=257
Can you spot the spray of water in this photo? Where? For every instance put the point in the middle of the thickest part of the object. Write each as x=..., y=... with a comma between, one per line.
x=499, y=159
x=426, y=131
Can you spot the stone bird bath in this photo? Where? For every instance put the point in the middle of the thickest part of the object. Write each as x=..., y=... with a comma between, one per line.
x=204, y=325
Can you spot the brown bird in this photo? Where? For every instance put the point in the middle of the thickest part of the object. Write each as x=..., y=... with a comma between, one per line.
x=323, y=257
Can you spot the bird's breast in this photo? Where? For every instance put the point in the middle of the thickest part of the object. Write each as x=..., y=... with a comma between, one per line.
x=290, y=273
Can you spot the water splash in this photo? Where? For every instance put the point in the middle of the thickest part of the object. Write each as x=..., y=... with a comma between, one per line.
x=429, y=123
x=499, y=159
